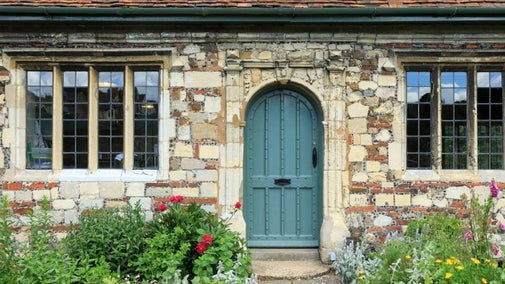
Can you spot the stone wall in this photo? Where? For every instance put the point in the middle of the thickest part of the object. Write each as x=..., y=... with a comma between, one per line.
x=356, y=79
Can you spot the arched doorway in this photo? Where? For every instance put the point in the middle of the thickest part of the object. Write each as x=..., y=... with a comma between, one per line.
x=283, y=170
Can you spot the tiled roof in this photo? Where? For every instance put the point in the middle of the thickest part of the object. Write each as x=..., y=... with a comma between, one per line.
x=252, y=3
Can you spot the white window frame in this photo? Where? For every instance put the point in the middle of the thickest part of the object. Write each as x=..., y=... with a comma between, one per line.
x=22, y=60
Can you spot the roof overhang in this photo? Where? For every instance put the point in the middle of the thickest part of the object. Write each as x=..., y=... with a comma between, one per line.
x=17, y=14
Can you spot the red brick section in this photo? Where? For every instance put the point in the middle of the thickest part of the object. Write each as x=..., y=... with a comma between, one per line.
x=12, y=186
x=253, y=3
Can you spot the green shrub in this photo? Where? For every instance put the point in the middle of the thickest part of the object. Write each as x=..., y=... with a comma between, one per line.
x=191, y=241
x=114, y=234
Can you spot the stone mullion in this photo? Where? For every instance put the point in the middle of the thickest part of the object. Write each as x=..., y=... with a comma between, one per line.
x=231, y=174
x=57, y=118
x=333, y=228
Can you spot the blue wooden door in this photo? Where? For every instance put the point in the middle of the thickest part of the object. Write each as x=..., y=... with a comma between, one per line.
x=282, y=171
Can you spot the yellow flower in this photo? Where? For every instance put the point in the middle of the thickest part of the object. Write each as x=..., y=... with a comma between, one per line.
x=408, y=257
x=459, y=267
x=487, y=261
x=474, y=260
x=494, y=265
x=484, y=280
x=438, y=261
x=449, y=261
x=361, y=272
x=448, y=275
x=360, y=278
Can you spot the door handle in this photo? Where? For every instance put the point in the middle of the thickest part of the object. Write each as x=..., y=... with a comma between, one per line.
x=282, y=181
x=314, y=157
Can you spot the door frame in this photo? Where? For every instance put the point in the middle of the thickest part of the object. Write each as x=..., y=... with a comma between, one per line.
x=320, y=150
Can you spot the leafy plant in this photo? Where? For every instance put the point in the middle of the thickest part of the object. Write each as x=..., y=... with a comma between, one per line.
x=8, y=257
x=43, y=261
x=114, y=234
x=353, y=262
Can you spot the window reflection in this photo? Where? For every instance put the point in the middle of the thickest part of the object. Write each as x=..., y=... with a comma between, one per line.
x=490, y=120
x=110, y=119
x=418, y=120
x=39, y=122
x=75, y=119
x=146, y=101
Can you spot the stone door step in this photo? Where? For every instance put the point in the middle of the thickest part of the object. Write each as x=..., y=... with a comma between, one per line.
x=268, y=270
x=283, y=254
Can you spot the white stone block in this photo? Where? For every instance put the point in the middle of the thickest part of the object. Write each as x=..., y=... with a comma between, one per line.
x=456, y=192
x=372, y=166
x=365, y=85
x=89, y=190
x=382, y=221
x=358, y=200
x=209, y=151
x=206, y=175
x=422, y=200
x=357, y=153
x=208, y=189
x=184, y=133
x=202, y=79
x=357, y=110
x=384, y=199
x=395, y=160
x=38, y=195
x=402, y=200
x=135, y=189
x=183, y=150
x=111, y=190
x=387, y=80
x=377, y=176
x=55, y=193
x=23, y=195
x=178, y=175
x=176, y=79
x=212, y=104
x=357, y=126
x=365, y=139
x=158, y=191
x=63, y=204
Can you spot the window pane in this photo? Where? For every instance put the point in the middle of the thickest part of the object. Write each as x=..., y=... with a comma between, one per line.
x=424, y=127
x=39, y=121
x=75, y=119
x=418, y=118
x=454, y=112
x=490, y=120
x=412, y=111
x=147, y=89
x=110, y=119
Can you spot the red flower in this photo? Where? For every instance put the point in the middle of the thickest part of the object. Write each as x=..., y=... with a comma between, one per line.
x=162, y=207
x=175, y=198
x=200, y=248
x=238, y=205
x=207, y=239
